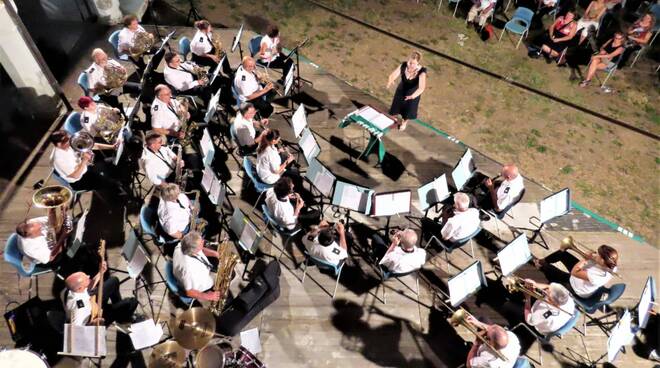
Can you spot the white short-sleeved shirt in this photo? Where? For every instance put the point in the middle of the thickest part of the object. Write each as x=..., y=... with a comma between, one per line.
x=547, y=318
x=282, y=211
x=485, y=3
x=332, y=253
x=508, y=191
x=245, y=83
x=180, y=78
x=158, y=165
x=485, y=358
x=201, y=43
x=165, y=116
x=400, y=261
x=64, y=161
x=88, y=121
x=461, y=225
x=192, y=272
x=245, y=131
x=78, y=307
x=96, y=74
x=36, y=248
x=268, y=164
x=174, y=216
x=126, y=38
x=597, y=277
x=271, y=52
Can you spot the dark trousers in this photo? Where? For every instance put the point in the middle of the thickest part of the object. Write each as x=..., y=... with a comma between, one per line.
x=263, y=106
x=93, y=179
x=553, y=273
x=378, y=247
x=114, y=307
x=279, y=63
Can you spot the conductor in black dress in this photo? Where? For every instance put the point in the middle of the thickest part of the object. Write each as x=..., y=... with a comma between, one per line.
x=412, y=85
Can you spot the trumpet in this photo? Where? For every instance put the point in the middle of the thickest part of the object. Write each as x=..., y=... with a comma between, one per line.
x=570, y=243
x=514, y=283
x=460, y=318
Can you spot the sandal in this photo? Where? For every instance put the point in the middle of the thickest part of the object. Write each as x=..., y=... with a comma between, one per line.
x=584, y=83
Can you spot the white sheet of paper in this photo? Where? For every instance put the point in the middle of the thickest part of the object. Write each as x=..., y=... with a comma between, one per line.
x=206, y=145
x=382, y=122
x=620, y=336
x=137, y=263
x=216, y=195
x=464, y=284
x=237, y=39
x=248, y=235
x=120, y=147
x=207, y=179
x=250, y=340
x=324, y=181
x=645, y=303
x=288, y=82
x=308, y=145
x=555, y=205
x=85, y=341
x=462, y=173
x=441, y=188
x=514, y=255
x=368, y=113
x=146, y=333
x=299, y=120
x=351, y=197
x=392, y=203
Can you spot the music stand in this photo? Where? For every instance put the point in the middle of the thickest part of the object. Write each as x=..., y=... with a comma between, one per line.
x=321, y=179
x=308, y=145
x=297, y=63
x=85, y=341
x=646, y=302
x=552, y=206
x=462, y=172
x=237, y=42
x=514, y=255
x=432, y=193
x=466, y=283
x=192, y=13
x=246, y=236
x=207, y=148
x=299, y=121
x=388, y=204
x=77, y=241
x=216, y=72
x=352, y=197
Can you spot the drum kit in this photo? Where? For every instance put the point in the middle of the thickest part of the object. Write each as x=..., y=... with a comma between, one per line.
x=196, y=344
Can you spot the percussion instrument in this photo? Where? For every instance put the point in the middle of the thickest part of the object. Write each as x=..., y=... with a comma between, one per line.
x=22, y=358
x=193, y=328
x=167, y=355
x=214, y=355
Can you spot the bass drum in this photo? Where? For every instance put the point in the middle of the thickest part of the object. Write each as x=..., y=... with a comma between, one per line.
x=20, y=358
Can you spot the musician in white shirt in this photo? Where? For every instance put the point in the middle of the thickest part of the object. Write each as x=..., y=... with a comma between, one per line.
x=403, y=255
x=192, y=269
x=174, y=211
x=96, y=79
x=505, y=342
x=181, y=76
x=320, y=242
x=270, y=166
x=505, y=193
x=464, y=221
x=88, y=119
x=248, y=88
x=127, y=39
x=587, y=275
x=159, y=161
x=278, y=201
x=203, y=51
x=270, y=54
x=245, y=127
x=34, y=242
x=164, y=113
x=549, y=315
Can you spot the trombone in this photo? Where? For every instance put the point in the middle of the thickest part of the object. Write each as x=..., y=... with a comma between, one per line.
x=570, y=243
x=460, y=316
x=514, y=283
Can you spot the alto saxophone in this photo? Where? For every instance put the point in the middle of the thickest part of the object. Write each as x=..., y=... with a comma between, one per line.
x=227, y=260
x=186, y=127
x=217, y=45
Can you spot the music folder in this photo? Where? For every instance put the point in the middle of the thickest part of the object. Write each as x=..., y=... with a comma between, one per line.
x=391, y=203
x=246, y=232
x=299, y=120
x=321, y=178
x=555, y=205
x=514, y=255
x=237, y=38
x=352, y=197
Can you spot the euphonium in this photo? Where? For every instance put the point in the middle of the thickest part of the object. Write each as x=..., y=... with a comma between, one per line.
x=514, y=283
x=570, y=243
x=109, y=122
x=83, y=142
x=227, y=260
x=115, y=76
x=55, y=199
x=460, y=318
x=142, y=42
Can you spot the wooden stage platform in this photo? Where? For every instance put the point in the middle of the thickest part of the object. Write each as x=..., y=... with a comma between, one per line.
x=305, y=327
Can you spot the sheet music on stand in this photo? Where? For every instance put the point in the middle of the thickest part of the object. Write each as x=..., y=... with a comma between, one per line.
x=145, y=334
x=213, y=187
x=214, y=101
x=289, y=79
x=646, y=301
x=555, y=205
x=120, y=147
x=216, y=72
x=77, y=241
x=621, y=335
x=463, y=170
x=237, y=38
x=434, y=192
x=320, y=177
x=207, y=147
x=514, y=255
x=134, y=255
x=352, y=197
x=375, y=117
x=299, y=120
x=247, y=233
x=84, y=341
x=391, y=203
x=466, y=283
x=309, y=145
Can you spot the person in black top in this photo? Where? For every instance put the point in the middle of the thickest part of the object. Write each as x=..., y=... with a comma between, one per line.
x=412, y=85
x=610, y=53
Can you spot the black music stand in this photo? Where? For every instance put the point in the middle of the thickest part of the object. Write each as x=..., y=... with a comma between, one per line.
x=297, y=64
x=193, y=12
x=236, y=42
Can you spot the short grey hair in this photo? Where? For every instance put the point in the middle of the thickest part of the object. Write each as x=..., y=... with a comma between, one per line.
x=97, y=52
x=189, y=242
x=462, y=201
x=244, y=107
x=170, y=192
x=559, y=293
x=408, y=238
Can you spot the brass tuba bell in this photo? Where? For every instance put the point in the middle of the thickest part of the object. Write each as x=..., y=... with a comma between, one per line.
x=55, y=199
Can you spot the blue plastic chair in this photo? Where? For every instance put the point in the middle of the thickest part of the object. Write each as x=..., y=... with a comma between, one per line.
x=234, y=94
x=323, y=265
x=563, y=330
x=149, y=224
x=83, y=82
x=173, y=285
x=386, y=275
x=259, y=185
x=286, y=234
x=72, y=123
x=449, y=2
x=14, y=257
x=519, y=24
x=254, y=45
x=114, y=41
x=451, y=246
x=598, y=301
x=184, y=47
x=522, y=362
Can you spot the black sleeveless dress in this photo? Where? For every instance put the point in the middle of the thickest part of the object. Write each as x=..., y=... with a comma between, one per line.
x=407, y=109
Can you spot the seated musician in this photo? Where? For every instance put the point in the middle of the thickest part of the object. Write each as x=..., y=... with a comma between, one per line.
x=549, y=315
x=506, y=342
x=192, y=269
x=78, y=304
x=159, y=161
x=288, y=208
x=270, y=54
x=88, y=119
x=182, y=77
x=36, y=244
x=460, y=221
x=174, y=211
x=97, y=79
x=249, y=90
x=127, y=38
x=321, y=242
x=502, y=195
x=245, y=127
x=402, y=255
x=164, y=113
x=75, y=167
x=273, y=162
x=201, y=45
x=585, y=276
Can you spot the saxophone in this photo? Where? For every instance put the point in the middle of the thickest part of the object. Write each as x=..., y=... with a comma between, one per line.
x=217, y=45
x=196, y=224
x=227, y=260
x=186, y=127
x=142, y=42
x=200, y=72
x=180, y=176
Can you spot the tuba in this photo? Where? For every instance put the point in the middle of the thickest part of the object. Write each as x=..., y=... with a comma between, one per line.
x=83, y=142
x=142, y=42
x=570, y=243
x=514, y=283
x=115, y=76
x=55, y=199
x=460, y=318
x=227, y=260
x=108, y=124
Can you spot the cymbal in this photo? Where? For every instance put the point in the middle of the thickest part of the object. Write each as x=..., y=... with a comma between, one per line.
x=193, y=328
x=167, y=355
